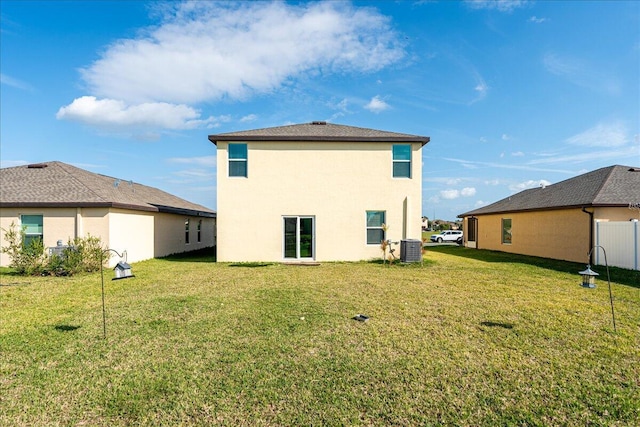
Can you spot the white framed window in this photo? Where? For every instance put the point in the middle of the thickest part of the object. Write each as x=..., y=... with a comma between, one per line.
x=238, y=160
x=186, y=231
x=33, y=228
x=199, y=231
x=401, y=160
x=375, y=230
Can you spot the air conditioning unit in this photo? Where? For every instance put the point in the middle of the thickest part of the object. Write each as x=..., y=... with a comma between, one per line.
x=410, y=250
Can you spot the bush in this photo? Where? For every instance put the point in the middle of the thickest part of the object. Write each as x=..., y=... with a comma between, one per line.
x=80, y=255
x=27, y=260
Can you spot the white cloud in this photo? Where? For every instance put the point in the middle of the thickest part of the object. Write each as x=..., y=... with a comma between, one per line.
x=376, y=105
x=454, y=194
x=481, y=88
x=517, y=154
x=196, y=175
x=111, y=113
x=444, y=180
x=480, y=203
x=613, y=134
x=468, y=192
x=18, y=84
x=528, y=184
x=249, y=118
x=450, y=194
x=581, y=73
x=209, y=161
x=500, y=5
x=203, y=51
x=537, y=20
x=505, y=137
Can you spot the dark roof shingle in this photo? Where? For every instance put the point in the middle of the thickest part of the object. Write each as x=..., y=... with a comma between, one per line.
x=57, y=184
x=318, y=131
x=611, y=186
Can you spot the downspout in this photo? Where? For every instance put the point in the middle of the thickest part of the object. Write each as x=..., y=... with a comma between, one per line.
x=591, y=225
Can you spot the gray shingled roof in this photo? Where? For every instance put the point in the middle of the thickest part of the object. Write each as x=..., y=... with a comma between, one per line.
x=57, y=184
x=318, y=131
x=611, y=186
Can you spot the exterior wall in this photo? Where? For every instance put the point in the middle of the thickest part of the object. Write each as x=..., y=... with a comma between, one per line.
x=556, y=234
x=131, y=231
x=58, y=224
x=170, y=234
x=143, y=235
x=335, y=183
x=615, y=214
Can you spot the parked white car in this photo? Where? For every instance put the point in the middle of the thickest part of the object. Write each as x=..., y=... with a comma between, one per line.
x=448, y=236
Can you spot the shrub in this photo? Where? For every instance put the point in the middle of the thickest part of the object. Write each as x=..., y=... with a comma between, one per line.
x=80, y=255
x=26, y=260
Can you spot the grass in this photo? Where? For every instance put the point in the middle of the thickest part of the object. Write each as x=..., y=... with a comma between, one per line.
x=470, y=338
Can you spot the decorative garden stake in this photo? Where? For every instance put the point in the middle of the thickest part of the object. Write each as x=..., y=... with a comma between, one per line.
x=122, y=271
x=589, y=280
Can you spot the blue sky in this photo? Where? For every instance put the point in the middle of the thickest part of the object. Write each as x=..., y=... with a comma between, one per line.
x=513, y=94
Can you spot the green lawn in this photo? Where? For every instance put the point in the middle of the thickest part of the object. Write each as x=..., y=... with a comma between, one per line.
x=469, y=338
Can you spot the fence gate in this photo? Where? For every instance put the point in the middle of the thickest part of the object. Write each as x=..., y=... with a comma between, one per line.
x=621, y=240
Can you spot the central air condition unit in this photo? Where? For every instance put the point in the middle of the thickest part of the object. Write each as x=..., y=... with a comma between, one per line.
x=410, y=250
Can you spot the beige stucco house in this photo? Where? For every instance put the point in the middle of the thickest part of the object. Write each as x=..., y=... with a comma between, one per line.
x=56, y=201
x=316, y=191
x=557, y=221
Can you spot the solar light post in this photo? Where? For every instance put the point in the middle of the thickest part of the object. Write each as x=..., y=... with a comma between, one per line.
x=122, y=271
x=589, y=280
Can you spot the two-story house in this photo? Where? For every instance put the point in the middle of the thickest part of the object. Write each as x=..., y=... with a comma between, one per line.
x=316, y=191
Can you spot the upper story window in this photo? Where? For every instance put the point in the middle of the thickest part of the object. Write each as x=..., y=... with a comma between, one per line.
x=375, y=227
x=32, y=225
x=238, y=160
x=402, y=161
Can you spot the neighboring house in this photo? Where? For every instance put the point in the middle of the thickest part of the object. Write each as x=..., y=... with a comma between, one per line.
x=316, y=191
x=556, y=221
x=56, y=201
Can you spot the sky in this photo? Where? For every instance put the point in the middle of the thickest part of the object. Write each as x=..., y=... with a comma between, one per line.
x=513, y=94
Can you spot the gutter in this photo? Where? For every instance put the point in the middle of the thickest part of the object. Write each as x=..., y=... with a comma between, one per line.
x=591, y=225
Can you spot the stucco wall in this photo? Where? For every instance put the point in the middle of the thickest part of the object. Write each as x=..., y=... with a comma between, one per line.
x=557, y=234
x=131, y=231
x=143, y=235
x=58, y=224
x=170, y=234
x=336, y=183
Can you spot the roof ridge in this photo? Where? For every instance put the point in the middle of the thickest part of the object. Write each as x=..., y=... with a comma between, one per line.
x=63, y=167
x=604, y=182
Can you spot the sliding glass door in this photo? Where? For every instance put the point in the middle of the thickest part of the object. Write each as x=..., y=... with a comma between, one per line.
x=299, y=241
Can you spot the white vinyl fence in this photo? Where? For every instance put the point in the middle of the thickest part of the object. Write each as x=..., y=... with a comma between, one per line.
x=621, y=240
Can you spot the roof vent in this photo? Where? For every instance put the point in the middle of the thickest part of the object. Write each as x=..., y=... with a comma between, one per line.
x=634, y=169
x=319, y=122
x=37, y=166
